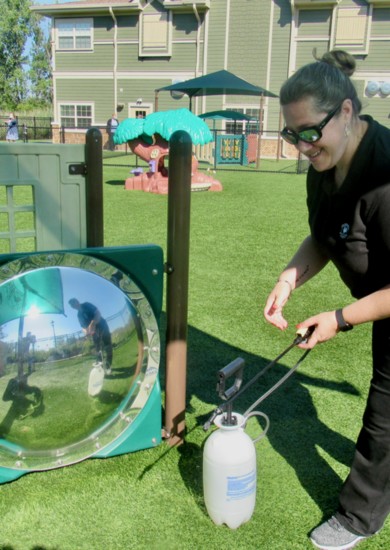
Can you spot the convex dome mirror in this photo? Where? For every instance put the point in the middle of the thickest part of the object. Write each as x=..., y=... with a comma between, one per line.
x=69, y=388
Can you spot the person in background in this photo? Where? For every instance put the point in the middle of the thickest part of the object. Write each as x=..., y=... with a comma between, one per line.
x=94, y=325
x=112, y=124
x=12, y=129
x=348, y=199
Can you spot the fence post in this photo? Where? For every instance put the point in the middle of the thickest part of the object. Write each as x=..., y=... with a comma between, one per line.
x=94, y=187
x=177, y=267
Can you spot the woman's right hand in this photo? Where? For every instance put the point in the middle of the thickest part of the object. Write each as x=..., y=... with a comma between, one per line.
x=273, y=310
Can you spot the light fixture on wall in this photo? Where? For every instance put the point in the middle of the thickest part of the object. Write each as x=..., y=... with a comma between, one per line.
x=372, y=88
x=176, y=94
x=379, y=88
x=385, y=88
x=139, y=101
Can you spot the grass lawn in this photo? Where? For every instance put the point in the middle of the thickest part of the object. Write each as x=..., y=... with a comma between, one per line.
x=240, y=240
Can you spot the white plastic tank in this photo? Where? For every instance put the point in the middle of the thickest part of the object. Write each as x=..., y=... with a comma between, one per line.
x=229, y=473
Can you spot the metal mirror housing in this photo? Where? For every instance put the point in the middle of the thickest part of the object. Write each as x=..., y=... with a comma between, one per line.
x=69, y=387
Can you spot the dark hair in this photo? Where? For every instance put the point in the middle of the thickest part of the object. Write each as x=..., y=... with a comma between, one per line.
x=327, y=81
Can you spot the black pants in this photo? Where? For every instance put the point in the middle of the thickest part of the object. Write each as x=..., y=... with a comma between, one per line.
x=102, y=340
x=365, y=496
x=111, y=143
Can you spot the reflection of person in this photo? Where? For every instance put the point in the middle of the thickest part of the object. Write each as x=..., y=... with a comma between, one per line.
x=12, y=129
x=112, y=124
x=93, y=324
x=348, y=197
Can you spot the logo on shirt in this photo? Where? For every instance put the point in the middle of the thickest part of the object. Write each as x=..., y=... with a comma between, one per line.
x=344, y=231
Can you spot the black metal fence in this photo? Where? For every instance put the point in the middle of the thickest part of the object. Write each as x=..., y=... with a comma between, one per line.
x=227, y=151
x=29, y=128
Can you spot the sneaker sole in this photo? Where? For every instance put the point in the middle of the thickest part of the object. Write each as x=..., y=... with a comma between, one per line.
x=342, y=547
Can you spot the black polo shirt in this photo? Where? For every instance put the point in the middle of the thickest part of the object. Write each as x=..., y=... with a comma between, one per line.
x=352, y=224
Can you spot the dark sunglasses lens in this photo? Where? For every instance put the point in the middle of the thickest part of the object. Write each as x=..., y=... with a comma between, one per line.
x=289, y=137
x=310, y=135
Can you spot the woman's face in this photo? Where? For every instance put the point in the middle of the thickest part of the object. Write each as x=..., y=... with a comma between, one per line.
x=329, y=150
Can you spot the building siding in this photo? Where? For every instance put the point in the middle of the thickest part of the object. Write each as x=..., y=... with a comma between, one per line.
x=257, y=40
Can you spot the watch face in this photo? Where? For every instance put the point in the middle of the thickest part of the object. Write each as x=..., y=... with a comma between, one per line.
x=79, y=355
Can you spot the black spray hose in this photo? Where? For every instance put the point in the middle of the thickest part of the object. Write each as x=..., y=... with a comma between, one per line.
x=299, y=338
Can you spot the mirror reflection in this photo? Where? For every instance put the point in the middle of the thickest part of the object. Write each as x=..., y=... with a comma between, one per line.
x=76, y=341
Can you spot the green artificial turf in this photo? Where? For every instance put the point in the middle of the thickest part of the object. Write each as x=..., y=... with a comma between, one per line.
x=240, y=240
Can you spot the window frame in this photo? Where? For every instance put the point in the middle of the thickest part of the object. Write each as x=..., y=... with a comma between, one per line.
x=345, y=11
x=243, y=126
x=76, y=117
x=73, y=21
x=149, y=51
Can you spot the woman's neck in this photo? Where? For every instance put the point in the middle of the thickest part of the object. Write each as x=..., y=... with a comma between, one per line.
x=357, y=133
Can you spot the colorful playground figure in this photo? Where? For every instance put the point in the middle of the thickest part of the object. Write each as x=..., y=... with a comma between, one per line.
x=148, y=138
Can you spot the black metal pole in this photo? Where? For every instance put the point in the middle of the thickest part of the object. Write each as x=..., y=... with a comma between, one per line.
x=177, y=267
x=94, y=187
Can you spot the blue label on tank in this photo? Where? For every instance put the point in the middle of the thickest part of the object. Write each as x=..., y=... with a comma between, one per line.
x=239, y=487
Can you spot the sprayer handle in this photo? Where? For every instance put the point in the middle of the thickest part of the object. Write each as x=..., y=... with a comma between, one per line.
x=303, y=334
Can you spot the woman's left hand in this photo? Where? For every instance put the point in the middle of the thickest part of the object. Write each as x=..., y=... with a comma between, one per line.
x=325, y=328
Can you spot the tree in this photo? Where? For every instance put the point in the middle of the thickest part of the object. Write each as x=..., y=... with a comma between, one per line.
x=40, y=66
x=14, y=29
x=18, y=82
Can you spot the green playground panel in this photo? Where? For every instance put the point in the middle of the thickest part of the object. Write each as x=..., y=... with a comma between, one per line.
x=143, y=264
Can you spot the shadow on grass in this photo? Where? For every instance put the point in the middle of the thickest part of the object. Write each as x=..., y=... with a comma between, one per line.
x=116, y=182
x=295, y=432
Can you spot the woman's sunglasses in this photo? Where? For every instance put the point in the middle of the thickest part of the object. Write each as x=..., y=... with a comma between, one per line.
x=311, y=134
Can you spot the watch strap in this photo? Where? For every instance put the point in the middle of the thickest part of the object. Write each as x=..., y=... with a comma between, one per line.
x=342, y=324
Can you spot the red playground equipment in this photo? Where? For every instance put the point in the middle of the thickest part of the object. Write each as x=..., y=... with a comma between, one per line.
x=149, y=139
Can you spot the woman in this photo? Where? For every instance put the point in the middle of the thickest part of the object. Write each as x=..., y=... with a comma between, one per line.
x=348, y=198
x=12, y=128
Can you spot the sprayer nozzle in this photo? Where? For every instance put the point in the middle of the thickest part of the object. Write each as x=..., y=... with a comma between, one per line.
x=206, y=425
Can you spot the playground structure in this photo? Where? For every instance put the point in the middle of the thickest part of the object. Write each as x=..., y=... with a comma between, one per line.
x=149, y=138
x=35, y=288
x=35, y=434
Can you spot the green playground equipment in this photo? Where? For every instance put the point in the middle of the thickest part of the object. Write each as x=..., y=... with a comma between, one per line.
x=50, y=351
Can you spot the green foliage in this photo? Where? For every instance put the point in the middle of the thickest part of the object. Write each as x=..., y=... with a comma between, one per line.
x=40, y=69
x=17, y=25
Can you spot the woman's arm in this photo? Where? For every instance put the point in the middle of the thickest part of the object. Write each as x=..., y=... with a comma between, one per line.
x=373, y=307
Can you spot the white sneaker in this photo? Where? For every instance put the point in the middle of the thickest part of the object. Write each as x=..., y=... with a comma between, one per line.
x=331, y=535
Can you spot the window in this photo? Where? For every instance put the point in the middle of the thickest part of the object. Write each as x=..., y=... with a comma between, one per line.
x=76, y=116
x=155, y=34
x=352, y=29
x=248, y=127
x=74, y=34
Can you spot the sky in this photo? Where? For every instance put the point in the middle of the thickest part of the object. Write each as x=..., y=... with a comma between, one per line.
x=86, y=286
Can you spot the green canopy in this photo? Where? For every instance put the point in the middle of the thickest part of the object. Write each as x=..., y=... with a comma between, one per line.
x=35, y=292
x=218, y=83
x=229, y=115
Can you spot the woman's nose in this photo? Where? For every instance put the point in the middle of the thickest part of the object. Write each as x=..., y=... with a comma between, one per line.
x=303, y=147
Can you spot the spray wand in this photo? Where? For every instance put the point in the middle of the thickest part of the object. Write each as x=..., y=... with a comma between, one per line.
x=236, y=367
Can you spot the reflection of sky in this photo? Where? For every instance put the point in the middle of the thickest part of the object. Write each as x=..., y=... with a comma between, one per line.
x=86, y=287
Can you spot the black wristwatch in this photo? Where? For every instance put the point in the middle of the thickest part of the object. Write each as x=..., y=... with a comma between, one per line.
x=342, y=324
